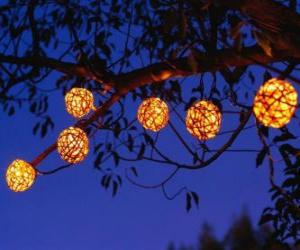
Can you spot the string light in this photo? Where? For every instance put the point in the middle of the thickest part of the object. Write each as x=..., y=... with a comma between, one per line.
x=73, y=145
x=79, y=102
x=275, y=103
x=153, y=114
x=20, y=175
x=203, y=120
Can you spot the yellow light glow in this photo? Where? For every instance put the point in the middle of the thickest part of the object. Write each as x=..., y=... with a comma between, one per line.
x=20, y=175
x=275, y=103
x=79, y=102
x=203, y=120
x=153, y=114
x=73, y=145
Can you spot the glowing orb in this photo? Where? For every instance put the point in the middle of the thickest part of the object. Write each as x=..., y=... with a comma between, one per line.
x=20, y=175
x=275, y=103
x=153, y=114
x=79, y=102
x=203, y=120
x=73, y=145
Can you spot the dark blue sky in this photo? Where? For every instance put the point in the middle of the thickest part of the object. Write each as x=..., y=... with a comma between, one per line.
x=69, y=210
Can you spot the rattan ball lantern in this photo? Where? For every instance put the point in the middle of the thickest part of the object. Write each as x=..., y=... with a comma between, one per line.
x=153, y=114
x=20, y=175
x=203, y=120
x=73, y=145
x=79, y=102
x=275, y=103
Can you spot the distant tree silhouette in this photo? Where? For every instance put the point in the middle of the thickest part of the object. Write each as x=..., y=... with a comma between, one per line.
x=207, y=239
x=241, y=235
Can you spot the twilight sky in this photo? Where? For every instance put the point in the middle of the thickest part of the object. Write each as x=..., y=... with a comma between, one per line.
x=69, y=210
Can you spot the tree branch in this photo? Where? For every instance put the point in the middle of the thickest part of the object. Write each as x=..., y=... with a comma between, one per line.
x=64, y=67
x=205, y=63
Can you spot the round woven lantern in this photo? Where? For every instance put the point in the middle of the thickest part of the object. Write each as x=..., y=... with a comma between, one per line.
x=275, y=103
x=20, y=176
x=73, y=145
x=203, y=120
x=153, y=114
x=79, y=102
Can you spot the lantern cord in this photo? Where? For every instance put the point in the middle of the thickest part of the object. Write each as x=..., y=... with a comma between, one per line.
x=53, y=170
x=172, y=197
x=162, y=183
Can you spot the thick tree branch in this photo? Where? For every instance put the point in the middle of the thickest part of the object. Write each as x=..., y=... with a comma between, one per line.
x=64, y=67
x=205, y=63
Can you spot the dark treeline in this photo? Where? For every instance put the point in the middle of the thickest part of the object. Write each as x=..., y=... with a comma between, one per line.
x=241, y=235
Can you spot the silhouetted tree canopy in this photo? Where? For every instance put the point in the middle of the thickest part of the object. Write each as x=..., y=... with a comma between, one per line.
x=241, y=235
x=178, y=50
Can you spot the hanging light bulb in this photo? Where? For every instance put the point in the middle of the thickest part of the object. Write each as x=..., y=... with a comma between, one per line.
x=20, y=175
x=203, y=120
x=79, y=102
x=153, y=114
x=73, y=145
x=275, y=103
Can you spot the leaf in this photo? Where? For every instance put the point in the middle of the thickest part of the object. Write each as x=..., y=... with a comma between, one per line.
x=261, y=156
x=33, y=107
x=290, y=182
x=284, y=137
x=35, y=128
x=134, y=171
x=142, y=151
x=195, y=198
x=266, y=218
x=44, y=129
x=115, y=188
x=130, y=143
x=106, y=181
x=188, y=204
x=119, y=179
x=267, y=76
x=11, y=111
x=264, y=130
x=117, y=130
x=116, y=158
x=263, y=42
x=97, y=147
x=148, y=139
x=98, y=160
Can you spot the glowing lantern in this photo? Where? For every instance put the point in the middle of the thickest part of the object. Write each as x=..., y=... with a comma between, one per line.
x=153, y=114
x=203, y=120
x=79, y=102
x=20, y=175
x=275, y=103
x=73, y=145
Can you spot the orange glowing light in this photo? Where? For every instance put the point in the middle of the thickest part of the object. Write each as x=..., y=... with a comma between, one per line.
x=79, y=102
x=275, y=103
x=153, y=114
x=203, y=120
x=73, y=145
x=20, y=175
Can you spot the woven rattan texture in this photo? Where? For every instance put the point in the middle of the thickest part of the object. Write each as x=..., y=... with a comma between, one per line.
x=20, y=176
x=153, y=114
x=203, y=120
x=275, y=103
x=79, y=102
x=73, y=145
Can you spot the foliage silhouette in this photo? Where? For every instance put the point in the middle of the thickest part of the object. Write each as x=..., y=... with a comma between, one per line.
x=180, y=51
